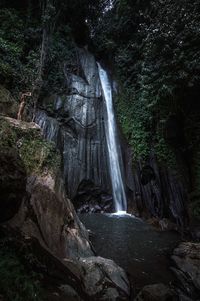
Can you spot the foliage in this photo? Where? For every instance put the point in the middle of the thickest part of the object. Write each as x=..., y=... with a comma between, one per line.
x=38, y=154
x=11, y=44
x=155, y=49
x=34, y=47
x=16, y=282
x=8, y=137
x=132, y=125
x=61, y=56
x=17, y=64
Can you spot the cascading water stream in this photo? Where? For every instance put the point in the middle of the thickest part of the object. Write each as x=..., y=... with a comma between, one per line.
x=114, y=150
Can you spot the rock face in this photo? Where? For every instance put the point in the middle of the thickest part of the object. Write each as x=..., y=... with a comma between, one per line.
x=45, y=212
x=187, y=267
x=157, y=192
x=46, y=223
x=12, y=183
x=75, y=121
x=50, y=217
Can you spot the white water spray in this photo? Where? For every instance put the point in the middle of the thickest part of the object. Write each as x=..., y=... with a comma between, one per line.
x=114, y=150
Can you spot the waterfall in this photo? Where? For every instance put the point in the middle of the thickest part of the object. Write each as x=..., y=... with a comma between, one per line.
x=114, y=150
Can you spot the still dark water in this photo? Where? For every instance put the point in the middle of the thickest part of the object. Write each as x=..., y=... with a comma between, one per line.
x=134, y=245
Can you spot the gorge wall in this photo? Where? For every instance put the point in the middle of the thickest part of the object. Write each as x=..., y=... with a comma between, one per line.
x=75, y=122
x=159, y=193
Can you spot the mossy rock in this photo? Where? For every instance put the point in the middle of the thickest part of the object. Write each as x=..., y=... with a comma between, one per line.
x=37, y=154
x=23, y=152
x=8, y=105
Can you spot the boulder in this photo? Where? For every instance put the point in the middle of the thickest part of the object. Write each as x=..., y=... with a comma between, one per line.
x=186, y=258
x=32, y=170
x=91, y=199
x=157, y=292
x=166, y=225
x=70, y=293
x=103, y=279
x=50, y=217
x=73, y=279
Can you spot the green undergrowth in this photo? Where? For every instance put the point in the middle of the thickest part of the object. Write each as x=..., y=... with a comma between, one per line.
x=144, y=124
x=165, y=153
x=132, y=127
x=18, y=281
x=37, y=154
x=143, y=130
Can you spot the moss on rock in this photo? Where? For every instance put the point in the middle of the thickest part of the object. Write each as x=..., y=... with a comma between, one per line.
x=37, y=154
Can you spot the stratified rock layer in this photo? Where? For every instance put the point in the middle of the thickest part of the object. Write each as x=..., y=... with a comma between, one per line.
x=75, y=121
x=156, y=191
